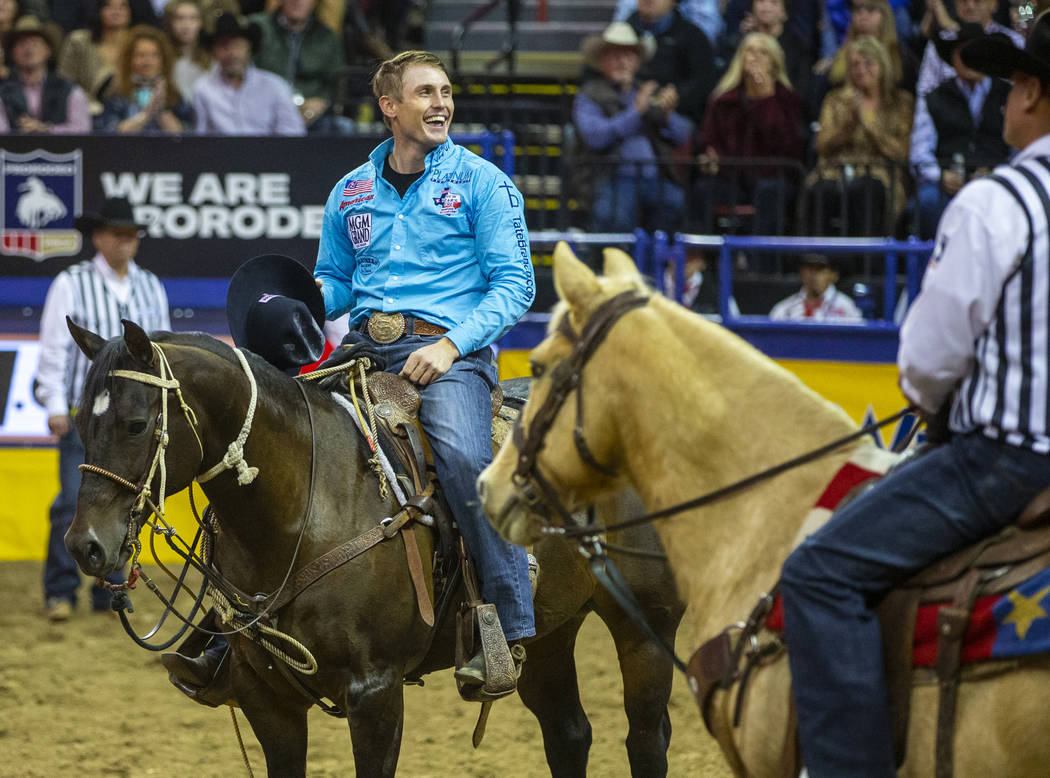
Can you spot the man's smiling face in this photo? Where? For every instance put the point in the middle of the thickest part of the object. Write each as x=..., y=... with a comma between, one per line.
x=423, y=113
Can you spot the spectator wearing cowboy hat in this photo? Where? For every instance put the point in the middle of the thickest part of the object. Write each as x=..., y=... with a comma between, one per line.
x=975, y=340
x=237, y=98
x=962, y=127
x=35, y=99
x=626, y=128
x=96, y=294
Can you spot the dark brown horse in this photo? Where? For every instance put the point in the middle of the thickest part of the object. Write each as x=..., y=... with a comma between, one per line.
x=360, y=621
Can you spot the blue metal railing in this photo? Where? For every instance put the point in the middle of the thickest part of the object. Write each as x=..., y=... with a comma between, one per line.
x=870, y=341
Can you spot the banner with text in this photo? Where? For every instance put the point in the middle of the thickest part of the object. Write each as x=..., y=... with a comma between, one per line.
x=208, y=203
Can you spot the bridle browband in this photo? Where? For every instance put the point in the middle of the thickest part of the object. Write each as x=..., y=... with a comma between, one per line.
x=566, y=377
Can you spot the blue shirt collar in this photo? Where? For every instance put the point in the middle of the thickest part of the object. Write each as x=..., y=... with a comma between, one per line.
x=434, y=157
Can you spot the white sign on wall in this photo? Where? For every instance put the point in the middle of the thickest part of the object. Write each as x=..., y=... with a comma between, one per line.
x=21, y=416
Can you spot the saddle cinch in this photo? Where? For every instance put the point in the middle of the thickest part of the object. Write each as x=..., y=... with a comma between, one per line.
x=949, y=588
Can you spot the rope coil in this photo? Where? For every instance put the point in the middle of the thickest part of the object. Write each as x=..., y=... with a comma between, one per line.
x=233, y=459
x=228, y=614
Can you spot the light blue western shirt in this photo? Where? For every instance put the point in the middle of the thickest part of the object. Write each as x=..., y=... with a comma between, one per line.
x=454, y=252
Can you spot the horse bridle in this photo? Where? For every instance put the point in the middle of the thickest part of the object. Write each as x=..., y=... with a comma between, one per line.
x=566, y=377
x=233, y=459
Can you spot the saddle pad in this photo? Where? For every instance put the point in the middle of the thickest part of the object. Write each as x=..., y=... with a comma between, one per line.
x=1010, y=624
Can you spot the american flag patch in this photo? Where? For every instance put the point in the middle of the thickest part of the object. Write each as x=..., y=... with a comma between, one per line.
x=357, y=187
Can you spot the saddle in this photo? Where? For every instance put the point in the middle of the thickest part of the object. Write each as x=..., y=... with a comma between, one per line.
x=396, y=403
x=951, y=586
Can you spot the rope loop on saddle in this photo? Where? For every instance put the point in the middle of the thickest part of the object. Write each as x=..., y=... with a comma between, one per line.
x=367, y=425
x=306, y=664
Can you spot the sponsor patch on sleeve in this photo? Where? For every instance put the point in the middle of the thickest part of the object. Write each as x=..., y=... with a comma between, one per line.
x=359, y=225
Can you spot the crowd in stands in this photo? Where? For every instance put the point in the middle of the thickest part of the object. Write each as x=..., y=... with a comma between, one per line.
x=812, y=117
x=260, y=67
x=831, y=117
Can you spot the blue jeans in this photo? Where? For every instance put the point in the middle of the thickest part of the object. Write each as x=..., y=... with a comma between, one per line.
x=619, y=203
x=61, y=576
x=955, y=495
x=456, y=413
x=930, y=202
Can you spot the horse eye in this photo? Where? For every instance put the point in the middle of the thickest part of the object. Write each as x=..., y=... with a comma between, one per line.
x=537, y=369
x=136, y=427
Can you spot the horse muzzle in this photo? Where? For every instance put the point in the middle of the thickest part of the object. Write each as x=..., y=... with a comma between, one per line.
x=96, y=554
x=508, y=514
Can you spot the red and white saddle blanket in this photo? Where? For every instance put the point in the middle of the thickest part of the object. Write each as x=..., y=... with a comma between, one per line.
x=1010, y=624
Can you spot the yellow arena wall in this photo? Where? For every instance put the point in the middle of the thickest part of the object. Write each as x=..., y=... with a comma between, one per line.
x=29, y=476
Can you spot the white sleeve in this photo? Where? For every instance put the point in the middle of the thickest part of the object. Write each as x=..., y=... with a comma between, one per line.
x=981, y=238
x=165, y=307
x=55, y=341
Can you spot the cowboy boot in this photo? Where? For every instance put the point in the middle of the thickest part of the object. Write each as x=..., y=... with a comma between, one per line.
x=204, y=679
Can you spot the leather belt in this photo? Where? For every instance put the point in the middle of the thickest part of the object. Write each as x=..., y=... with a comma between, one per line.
x=388, y=327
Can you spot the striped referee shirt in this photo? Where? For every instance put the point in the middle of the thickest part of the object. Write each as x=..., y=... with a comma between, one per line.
x=94, y=296
x=981, y=324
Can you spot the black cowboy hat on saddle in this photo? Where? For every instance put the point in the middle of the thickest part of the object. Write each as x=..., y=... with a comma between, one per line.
x=275, y=309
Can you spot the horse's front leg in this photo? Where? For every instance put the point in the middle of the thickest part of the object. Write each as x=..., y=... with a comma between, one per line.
x=279, y=723
x=549, y=688
x=376, y=707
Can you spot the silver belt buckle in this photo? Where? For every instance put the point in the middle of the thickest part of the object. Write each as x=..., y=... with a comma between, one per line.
x=386, y=327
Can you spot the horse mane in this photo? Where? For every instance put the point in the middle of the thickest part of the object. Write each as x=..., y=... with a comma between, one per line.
x=108, y=357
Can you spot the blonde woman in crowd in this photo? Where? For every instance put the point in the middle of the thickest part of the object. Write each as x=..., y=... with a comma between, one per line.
x=753, y=112
x=875, y=18
x=862, y=146
x=144, y=97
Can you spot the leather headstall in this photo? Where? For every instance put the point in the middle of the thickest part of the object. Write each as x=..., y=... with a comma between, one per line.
x=566, y=377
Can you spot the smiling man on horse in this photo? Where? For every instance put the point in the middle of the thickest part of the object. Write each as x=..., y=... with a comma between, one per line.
x=980, y=330
x=426, y=246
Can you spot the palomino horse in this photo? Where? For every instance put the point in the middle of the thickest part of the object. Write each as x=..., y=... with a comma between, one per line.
x=677, y=406
x=360, y=621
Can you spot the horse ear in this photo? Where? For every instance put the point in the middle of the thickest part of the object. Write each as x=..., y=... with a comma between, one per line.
x=86, y=340
x=574, y=282
x=137, y=342
x=618, y=262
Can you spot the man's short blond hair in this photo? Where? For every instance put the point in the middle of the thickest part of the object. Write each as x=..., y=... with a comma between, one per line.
x=388, y=78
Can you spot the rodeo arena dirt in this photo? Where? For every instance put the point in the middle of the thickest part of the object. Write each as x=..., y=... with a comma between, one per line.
x=79, y=698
